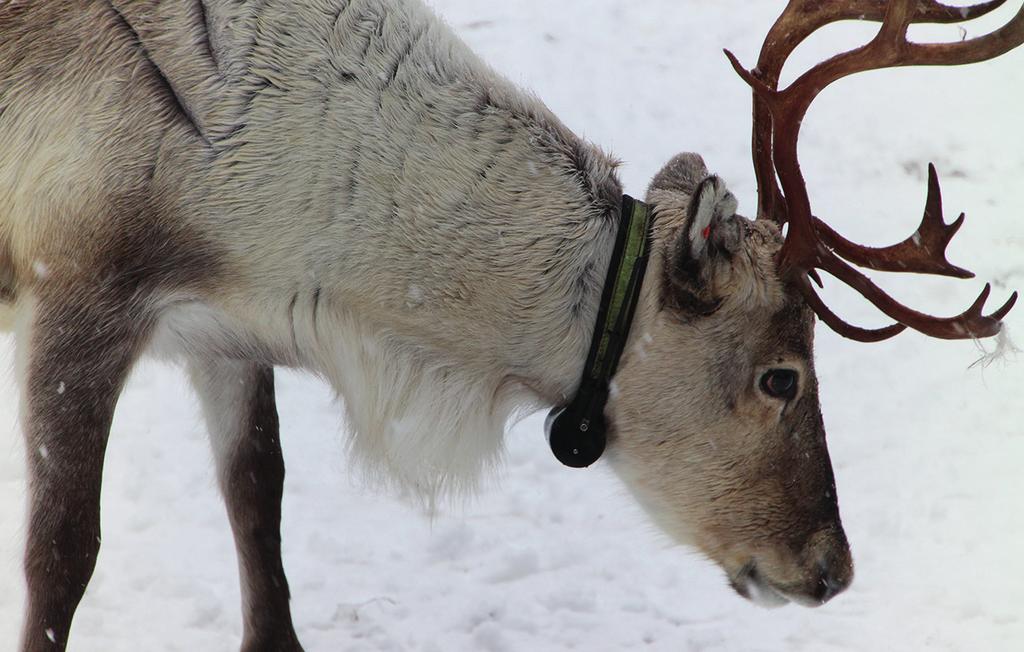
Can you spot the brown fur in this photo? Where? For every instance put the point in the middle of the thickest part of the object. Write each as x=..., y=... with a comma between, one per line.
x=252, y=481
x=96, y=287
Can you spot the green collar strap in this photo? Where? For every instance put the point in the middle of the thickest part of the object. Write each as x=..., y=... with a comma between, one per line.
x=577, y=432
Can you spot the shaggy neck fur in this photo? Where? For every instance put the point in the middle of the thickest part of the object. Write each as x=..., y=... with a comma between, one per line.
x=431, y=239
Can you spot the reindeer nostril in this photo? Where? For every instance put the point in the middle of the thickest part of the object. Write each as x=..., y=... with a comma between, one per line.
x=831, y=582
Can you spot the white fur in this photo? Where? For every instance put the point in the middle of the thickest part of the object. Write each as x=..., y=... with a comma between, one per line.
x=397, y=218
x=714, y=203
x=418, y=421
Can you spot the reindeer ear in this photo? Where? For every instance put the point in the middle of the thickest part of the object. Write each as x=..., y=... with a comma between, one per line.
x=682, y=174
x=712, y=224
x=704, y=248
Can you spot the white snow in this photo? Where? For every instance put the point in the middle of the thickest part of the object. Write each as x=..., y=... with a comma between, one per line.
x=40, y=269
x=414, y=296
x=928, y=451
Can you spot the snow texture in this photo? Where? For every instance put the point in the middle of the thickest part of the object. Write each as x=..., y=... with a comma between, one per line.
x=928, y=450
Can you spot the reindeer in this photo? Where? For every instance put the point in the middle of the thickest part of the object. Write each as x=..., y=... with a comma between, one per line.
x=342, y=186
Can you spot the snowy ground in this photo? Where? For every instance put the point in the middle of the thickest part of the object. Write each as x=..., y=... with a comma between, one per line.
x=928, y=450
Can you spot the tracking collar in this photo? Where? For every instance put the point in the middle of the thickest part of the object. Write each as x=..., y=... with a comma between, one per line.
x=577, y=432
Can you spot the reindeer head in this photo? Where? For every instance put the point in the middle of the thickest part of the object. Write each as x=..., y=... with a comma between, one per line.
x=714, y=419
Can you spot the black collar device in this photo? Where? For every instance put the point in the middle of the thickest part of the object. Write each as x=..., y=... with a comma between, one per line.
x=577, y=432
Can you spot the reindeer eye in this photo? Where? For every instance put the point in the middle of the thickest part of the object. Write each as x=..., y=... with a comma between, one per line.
x=780, y=383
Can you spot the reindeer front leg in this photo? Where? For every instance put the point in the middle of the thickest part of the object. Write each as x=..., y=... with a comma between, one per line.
x=76, y=354
x=238, y=403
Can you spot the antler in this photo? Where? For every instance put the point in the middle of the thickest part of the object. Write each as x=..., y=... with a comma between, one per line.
x=810, y=243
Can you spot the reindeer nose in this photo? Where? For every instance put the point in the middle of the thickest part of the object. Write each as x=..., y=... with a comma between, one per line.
x=828, y=565
x=835, y=572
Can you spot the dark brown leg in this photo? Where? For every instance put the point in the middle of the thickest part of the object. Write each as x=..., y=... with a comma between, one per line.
x=238, y=402
x=77, y=354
